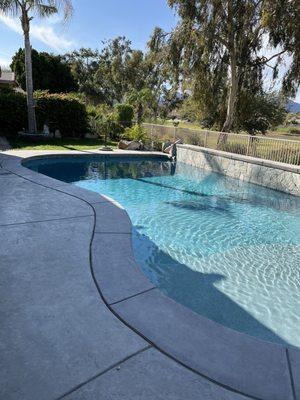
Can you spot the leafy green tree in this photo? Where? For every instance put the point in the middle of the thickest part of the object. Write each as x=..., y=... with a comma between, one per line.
x=216, y=48
x=124, y=114
x=257, y=114
x=117, y=70
x=189, y=110
x=84, y=64
x=49, y=72
x=108, y=75
x=120, y=69
x=26, y=9
x=140, y=100
x=162, y=75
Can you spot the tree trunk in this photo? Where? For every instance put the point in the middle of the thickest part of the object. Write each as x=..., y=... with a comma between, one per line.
x=28, y=71
x=140, y=113
x=233, y=89
x=232, y=97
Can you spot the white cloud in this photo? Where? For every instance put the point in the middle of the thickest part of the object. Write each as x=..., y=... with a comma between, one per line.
x=45, y=33
x=5, y=62
x=11, y=23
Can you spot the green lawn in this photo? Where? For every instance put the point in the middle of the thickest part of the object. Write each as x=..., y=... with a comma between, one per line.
x=282, y=132
x=261, y=147
x=286, y=132
x=59, y=144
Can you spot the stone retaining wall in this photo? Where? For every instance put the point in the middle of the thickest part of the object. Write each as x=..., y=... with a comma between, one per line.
x=271, y=174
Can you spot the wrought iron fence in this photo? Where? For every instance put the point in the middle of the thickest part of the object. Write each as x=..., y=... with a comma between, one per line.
x=281, y=150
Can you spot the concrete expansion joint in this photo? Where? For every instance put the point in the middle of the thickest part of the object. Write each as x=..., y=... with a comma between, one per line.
x=112, y=233
x=151, y=343
x=47, y=220
x=131, y=297
x=116, y=365
x=290, y=373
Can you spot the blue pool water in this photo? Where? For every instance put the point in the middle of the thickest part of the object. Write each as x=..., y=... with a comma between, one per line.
x=226, y=249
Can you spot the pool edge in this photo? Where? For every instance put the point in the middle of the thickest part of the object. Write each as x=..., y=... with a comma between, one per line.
x=240, y=363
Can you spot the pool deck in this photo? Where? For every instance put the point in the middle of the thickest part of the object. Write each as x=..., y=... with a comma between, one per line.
x=80, y=321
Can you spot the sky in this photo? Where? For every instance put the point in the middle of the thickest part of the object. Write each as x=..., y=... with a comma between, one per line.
x=93, y=22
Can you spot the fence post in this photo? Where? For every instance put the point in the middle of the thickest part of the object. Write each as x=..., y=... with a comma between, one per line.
x=248, y=146
x=205, y=139
x=151, y=137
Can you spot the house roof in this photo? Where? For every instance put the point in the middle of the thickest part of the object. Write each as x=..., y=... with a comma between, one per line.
x=7, y=77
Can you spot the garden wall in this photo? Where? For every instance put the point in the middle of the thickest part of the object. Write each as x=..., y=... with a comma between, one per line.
x=274, y=175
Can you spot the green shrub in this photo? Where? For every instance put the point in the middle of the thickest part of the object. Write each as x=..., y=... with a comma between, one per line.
x=156, y=144
x=98, y=114
x=195, y=139
x=102, y=125
x=13, y=115
x=294, y=131
x=124, y=114
x=136, y=133
x=59, y=111
x=234, y=148
x=100, y=109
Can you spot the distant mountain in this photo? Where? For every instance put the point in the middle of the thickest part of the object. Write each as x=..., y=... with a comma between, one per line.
x=293, y=107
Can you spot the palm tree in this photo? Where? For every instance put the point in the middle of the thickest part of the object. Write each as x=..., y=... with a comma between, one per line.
x=26, y=9
x=140, y=100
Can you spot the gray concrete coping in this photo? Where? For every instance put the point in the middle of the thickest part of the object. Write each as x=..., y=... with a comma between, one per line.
x=235, y=361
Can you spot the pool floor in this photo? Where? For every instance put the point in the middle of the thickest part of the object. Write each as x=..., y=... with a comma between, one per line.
x=226, y=249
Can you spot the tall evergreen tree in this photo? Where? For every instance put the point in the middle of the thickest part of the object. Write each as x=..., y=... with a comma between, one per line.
x=49, y=72
x=217, y=46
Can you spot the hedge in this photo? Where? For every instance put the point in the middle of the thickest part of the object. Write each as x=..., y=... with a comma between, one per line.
x=13, y=116
x=59, y=111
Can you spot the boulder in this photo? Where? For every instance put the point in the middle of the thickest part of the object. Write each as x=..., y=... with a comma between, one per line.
x=135, y=146
x=123, y=144
x=129, y=145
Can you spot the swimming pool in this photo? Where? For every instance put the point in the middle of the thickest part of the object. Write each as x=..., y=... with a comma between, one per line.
x=227, y=249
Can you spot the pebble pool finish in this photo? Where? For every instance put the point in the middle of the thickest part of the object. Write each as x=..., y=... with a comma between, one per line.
x=227, y=249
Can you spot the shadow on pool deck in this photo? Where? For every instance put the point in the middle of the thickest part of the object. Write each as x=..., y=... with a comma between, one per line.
x=202, y=295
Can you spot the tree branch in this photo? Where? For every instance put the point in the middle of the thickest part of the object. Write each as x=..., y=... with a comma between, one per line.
x=270, y=66
x=266, y=60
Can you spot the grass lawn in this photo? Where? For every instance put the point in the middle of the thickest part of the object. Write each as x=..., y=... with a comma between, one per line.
x=282, y=132
x=286, y=132
x=59, y=144
x=261, y=146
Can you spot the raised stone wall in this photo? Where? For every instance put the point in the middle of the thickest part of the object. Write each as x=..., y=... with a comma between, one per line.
x=274, y=175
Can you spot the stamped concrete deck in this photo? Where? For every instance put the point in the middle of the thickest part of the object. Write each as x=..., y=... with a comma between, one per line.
x=80, y=321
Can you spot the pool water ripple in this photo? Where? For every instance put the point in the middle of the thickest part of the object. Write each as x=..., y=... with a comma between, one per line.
x=224, y=248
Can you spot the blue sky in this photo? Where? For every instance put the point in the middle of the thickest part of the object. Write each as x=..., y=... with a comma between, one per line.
x=93, y=21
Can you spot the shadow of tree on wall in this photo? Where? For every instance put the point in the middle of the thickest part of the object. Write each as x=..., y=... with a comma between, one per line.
x=196, y=290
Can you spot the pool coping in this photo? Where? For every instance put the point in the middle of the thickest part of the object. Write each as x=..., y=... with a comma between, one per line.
x=233, y=360
x=240, y=157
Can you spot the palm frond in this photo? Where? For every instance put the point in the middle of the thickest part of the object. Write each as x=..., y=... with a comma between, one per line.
x=10, y=7
x=49, y=7
x=43, y=8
